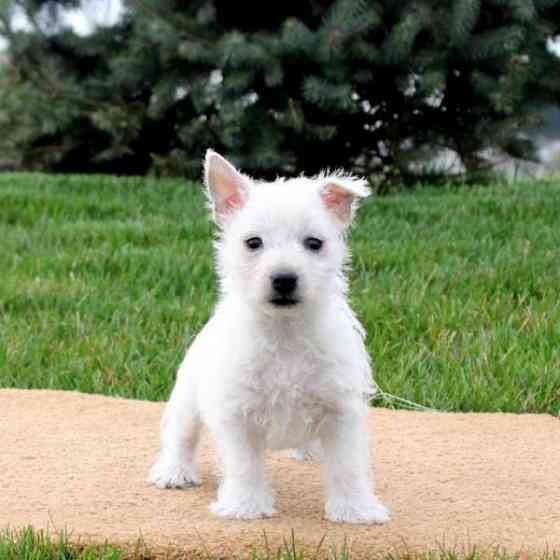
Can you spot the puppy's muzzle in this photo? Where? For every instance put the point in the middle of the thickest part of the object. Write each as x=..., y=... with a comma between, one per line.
x=284, y=288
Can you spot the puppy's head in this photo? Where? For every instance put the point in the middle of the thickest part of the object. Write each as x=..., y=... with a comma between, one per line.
x=281, y=246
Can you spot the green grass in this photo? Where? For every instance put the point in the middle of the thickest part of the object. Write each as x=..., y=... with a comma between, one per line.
x=105, y=280
x=30, y=544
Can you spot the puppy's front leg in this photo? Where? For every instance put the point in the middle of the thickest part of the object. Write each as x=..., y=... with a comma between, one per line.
x=180, y=428
x=350, y=497
x=243, y=492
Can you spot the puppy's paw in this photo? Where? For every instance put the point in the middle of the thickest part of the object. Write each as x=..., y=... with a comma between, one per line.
x=344, y=511
x=244, y=509
x=169, y=474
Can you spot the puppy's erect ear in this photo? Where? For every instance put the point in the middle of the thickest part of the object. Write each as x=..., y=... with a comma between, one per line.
x=341, y=193
x=227, y=188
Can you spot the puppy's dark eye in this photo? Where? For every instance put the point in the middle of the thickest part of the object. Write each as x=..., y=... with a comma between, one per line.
x=313, y=244
x=254, y=243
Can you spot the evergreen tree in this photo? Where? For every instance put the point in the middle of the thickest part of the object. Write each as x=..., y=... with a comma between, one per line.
x=280, y=87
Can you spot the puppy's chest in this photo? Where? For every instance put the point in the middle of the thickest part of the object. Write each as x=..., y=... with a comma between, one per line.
x=288, y=394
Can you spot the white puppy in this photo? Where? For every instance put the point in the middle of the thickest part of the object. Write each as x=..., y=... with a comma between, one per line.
x=281, y=363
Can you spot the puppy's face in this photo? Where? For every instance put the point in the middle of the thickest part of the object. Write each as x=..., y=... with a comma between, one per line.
x=281, y=251
x=282, y=246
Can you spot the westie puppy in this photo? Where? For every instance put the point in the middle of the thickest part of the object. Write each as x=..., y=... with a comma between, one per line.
x=281, y=363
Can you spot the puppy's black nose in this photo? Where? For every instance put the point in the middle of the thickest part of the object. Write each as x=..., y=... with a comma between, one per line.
x=284, y=284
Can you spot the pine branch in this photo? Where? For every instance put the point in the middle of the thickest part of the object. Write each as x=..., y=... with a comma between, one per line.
x=523, y=10
x=337, y=97
x=400, y=41
x=495, y=43
x=464, y=16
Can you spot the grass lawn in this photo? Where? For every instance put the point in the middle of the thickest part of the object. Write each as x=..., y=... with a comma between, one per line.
x=105, y=280
x=28, y=544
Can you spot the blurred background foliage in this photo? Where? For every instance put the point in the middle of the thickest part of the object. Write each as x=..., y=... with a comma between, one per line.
x=377, y=87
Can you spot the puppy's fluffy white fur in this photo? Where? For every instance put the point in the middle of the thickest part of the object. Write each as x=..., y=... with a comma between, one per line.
x=273, y=374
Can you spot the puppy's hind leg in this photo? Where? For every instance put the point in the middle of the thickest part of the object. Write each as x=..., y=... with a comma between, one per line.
x=180, y=429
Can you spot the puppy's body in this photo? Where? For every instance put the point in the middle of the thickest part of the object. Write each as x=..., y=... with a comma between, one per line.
x=281, y=363
x=284, y=383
